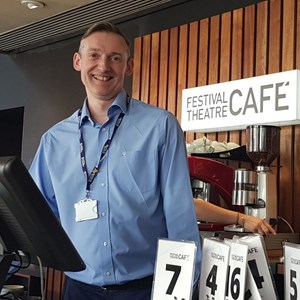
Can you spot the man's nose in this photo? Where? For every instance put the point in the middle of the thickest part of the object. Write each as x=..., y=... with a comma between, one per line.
x=103, y=63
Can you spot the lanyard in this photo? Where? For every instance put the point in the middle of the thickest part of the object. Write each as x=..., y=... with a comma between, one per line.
x=90, y=178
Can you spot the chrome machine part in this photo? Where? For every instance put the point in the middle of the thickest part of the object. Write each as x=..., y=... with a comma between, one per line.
x=262, y=145
x=245, y=187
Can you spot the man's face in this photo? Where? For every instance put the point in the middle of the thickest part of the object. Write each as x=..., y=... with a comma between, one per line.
x=103, y=61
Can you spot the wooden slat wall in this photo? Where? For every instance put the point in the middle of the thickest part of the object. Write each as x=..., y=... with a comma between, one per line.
x=54, y=284
x=257, y=40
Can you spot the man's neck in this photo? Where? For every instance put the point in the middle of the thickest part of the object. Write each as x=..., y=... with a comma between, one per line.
x=98, y=110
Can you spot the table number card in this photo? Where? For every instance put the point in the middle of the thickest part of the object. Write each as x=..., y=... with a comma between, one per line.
x=292, y=271
x=237, y=270
x=174, y=270
x=215, y=258
x=259, y=267
x=251, y=292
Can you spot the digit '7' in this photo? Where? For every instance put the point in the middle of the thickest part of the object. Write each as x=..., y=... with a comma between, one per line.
x=176, y=270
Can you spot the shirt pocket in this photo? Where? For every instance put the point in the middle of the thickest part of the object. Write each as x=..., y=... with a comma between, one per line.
x=138, y=170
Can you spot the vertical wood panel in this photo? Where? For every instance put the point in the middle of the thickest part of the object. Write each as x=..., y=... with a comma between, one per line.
x=249, y=40
x=136, y=75
x=225, y=58
x=214, y=50
x=286, y=148
x=237, y=45
x=261, y=39
x=203, y=52
x=173, y=70
x=163, y=69
x=145, y=68
x=154, y=70
x=182, y=66
x=248, y=49
x=225, y=48
x=296, y=204
x=214, y=58
x=275, y=36
x=274, y=64
x=192, y=64
x=204, y=28
x=237, y=58
x=49, y=283
x=54, y=284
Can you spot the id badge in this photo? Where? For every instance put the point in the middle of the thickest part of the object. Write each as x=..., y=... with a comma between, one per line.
x=86, y=209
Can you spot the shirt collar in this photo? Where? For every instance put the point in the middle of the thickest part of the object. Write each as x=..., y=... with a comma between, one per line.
x=120, y=103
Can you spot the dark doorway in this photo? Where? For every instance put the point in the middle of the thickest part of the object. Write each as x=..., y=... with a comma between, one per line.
x=11, y=131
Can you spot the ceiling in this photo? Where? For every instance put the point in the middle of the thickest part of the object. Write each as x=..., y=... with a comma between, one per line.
x=20, y=26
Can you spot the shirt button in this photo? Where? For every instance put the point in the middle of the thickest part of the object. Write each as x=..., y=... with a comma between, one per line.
x=105, y=244
x=103, y=184
x=123, y=153
x=103, y=129
x=107, y=273
x=103, y=214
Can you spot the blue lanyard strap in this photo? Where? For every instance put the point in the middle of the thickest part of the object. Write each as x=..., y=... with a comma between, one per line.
x=95, y=171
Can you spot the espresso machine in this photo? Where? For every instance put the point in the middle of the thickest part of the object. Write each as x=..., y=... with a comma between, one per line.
x=209, y=174
x=253, y=190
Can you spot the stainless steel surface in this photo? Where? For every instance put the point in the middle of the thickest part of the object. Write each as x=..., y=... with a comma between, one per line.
x=245, y=187
x=200, y=189
x=262, y=145
x=235, y=228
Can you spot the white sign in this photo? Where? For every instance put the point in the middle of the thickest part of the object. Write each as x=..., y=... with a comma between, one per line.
x=237, y=271
x=292, y=271
x=251, y=292
x=259, y=268
x=270, y=99
x=215, y=258
x=174, y=270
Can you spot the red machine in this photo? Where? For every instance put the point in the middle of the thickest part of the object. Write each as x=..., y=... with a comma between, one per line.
x=220, y=177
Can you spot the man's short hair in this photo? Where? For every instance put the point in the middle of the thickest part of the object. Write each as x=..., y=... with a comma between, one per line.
x=105, y=26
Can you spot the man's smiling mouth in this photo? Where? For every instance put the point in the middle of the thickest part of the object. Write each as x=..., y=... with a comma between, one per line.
x=102, y=78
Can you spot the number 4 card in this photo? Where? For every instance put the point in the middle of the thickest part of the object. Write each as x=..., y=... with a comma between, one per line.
x=174, y=270
x=259, y=267
x=215, y=258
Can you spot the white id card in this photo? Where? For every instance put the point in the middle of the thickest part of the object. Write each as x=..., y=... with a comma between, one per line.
x=86, y=209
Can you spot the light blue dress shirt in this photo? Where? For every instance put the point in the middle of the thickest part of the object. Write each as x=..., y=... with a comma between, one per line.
x=142, y=189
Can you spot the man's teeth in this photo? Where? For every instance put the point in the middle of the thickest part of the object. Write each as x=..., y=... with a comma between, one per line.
x=102, y=78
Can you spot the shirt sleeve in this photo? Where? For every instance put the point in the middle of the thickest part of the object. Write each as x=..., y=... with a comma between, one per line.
x=40, y=173
x=176, y=188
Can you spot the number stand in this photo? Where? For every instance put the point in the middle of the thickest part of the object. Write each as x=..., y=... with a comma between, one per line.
x=215, y=258
x=259, y=269
x=174, y=270
x=237, y=269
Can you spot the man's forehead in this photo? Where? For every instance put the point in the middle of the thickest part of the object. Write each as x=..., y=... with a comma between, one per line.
x=95, y=42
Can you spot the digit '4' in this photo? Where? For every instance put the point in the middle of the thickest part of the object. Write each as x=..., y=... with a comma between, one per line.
x=211, y=280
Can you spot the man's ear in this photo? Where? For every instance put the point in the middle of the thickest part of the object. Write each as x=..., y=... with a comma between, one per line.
x=76, y=61
x=129, y=68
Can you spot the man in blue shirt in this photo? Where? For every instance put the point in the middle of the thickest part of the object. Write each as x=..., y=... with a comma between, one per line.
x=115, y=173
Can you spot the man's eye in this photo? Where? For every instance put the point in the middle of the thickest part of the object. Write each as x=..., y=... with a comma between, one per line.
x=92, y=55
x=116, y=58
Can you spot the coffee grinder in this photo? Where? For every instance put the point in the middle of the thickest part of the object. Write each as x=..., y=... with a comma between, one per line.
x=257, y=190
